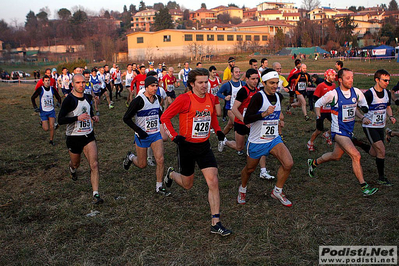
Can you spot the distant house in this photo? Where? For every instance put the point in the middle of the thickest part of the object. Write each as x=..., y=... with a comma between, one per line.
x=176, y=14
x=203, y=15
x=142, y=20
x=323, y=13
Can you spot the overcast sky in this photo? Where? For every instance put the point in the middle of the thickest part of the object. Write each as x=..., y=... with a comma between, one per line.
x=15, y=11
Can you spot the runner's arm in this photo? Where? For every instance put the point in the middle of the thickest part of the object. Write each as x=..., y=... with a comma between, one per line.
x=252, y=113
x=214, y=118
x=67, y=106
x=180, y=105
x=134, y=107
x=57, y=96
x=34, y=96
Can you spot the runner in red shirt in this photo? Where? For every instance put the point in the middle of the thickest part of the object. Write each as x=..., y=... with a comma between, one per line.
x=196, y=110
x=169, y=84
x=297, y=69
x=325, y=113
x=214, y=83
x=40, y=83
x=138, y=82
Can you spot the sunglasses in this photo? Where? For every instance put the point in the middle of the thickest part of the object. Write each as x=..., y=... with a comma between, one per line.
x=386, y=80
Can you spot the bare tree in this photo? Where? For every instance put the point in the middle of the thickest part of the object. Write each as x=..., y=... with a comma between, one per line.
x=310, y=4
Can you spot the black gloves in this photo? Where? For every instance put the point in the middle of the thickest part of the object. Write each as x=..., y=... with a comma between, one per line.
x=364, y=109
x=220, y=135
x=141, y=133
x=179, y=139
x=37, y=110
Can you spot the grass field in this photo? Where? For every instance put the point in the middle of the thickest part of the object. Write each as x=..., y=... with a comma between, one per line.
x=43, y=213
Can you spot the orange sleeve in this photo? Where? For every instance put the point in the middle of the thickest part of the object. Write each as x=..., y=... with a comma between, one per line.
x=180, y=105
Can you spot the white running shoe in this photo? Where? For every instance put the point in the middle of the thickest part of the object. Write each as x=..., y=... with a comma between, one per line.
x=221, y=145
x=151, y=161
x=266, y=175
x=281, y=197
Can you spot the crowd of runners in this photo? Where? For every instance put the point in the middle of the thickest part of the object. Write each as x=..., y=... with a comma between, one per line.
x=249, y=102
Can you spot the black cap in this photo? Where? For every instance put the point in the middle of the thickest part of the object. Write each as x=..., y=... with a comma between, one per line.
x=150, y=80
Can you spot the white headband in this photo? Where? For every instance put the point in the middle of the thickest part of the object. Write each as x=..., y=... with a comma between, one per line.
x=270, y=75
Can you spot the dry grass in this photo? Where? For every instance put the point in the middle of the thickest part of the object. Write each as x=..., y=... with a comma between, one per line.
x=43, y=213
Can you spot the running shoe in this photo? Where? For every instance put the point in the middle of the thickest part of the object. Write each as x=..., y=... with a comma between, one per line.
x=56, y=126
x=110, y=106
x=385, y=182
x=51, y=143
x=327, y=137
x=266, y=175
x=111, y=102
x=127, y=104
x=127, y=162
x=219, y=229
x=151, y=161
x=388, y=134
x=97, y=200
x=282, y=198
x=162, y=191
x=307, y=118
x=221, y=145
x=168, y=180
x=311, y=168
x=240, y=153
x=241, y=198
x=368, y=191
x=310, y=146
x=74, y=175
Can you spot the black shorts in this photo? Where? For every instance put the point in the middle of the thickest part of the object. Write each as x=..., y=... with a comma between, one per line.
x=241, y=129
x=103, y=90
x=374, y=134
x=320, y=121
x=76, y=144
x=189, y=153
x=171, y=94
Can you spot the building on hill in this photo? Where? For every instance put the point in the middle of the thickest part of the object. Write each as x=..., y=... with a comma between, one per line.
x=324, y=13
x=203, y=16
x=282, y=6
x=249, y=14
x=270, y=27
x=194, y=43
x=176, y=14
x=231, y=10
x=143, y=20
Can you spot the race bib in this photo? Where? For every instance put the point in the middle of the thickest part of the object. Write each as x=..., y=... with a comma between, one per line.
x=141, y=87
x=378, y=118
x=170, y=88
x=48, y=103
x=151, y=124
x=269, y=130
x=348, y=112
x=201, y=127
x=97, y=87
x=128, y=81
x=214, y=90
x=84, y=126
x=301, y=86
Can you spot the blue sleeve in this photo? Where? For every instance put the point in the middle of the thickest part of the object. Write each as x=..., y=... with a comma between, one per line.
x=223, y=91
